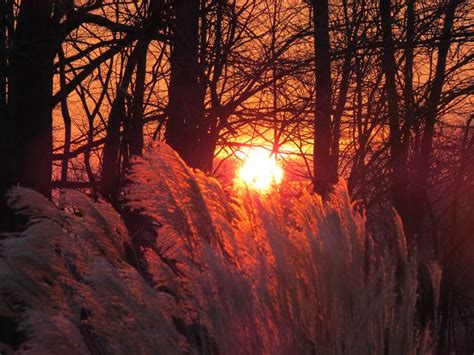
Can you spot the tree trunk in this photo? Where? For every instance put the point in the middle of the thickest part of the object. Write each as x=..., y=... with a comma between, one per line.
x=186, y=101
x=324, y=174
x=4, y=19
x=135, y=126
x=424, y=157
x=398, y=158
x=30, y=90
x=67, y=121
x=408, y=72
x=110, y=179
x=112, y=172
x=7, y=142
x=7, y=133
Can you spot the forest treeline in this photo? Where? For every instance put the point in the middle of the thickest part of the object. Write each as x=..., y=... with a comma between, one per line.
x=376, y=92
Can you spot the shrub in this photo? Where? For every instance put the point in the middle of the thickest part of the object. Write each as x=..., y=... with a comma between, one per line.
x=216, y=274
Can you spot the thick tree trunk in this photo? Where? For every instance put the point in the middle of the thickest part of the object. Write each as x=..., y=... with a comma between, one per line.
x=4, y=19
x=30, y=90
x=7, y=141
x=324, y=174
x=186, y=101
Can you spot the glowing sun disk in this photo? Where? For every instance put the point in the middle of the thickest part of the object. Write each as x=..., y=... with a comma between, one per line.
x=260, y=170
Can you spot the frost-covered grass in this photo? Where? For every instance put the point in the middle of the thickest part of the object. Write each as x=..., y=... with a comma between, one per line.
x=247, y=274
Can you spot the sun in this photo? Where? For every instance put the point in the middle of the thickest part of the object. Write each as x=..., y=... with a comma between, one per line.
x=260, y=170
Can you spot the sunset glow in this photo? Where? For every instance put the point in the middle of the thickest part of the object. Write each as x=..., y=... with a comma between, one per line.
x=260, y=170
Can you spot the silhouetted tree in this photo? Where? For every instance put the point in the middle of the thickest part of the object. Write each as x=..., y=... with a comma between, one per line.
x=30, y=83
x=113, y=166
x=325, y=172
x=398, y=147
x=186, y=89
x=7, y=139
